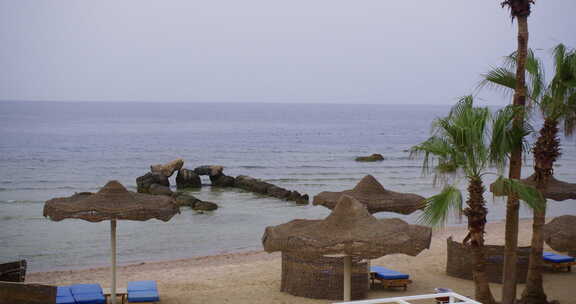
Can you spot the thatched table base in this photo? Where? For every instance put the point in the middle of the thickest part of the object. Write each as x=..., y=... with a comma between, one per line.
x=459, y=262
x=322, y=277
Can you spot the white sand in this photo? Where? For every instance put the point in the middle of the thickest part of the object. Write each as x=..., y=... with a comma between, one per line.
x=254, y=277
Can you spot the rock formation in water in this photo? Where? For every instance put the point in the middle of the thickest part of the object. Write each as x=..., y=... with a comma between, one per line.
x=187, y=179
x=372, y=158
x=183, y=199
x=156, y=182
x=145, y=181
x=169, y=168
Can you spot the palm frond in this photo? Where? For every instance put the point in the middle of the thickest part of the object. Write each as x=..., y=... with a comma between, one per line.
x=442, y=206
x=530, y=195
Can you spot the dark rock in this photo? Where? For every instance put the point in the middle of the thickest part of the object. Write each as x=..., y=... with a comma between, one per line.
x=222, y=181
x=371, y=158
x=205, y=206
x=252, y=184
x=209, y=170
x=169, y=168
x=303, y=200
x=278, y=192
x=187, y=179
x=186, y=200
x=145, y=181
x=158, y=189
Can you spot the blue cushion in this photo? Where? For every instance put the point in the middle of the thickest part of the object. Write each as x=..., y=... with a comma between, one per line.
x=90, y=298
x=88, y=294
x=143, y=296
x=63, y=291
x=85, y=288
x=65, y=300
x=387, y=274
x=142, y=285
x=557, y=258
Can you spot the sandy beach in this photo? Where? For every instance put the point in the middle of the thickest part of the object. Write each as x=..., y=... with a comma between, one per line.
x=254, y=277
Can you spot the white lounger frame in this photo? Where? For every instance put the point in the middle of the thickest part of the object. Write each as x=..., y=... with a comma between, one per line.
x=454, y=298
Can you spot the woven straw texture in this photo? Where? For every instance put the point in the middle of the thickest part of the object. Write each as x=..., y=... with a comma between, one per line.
x=349, y=230
x=560, y=234
x=376, y=199
x=322, y=277
x=113, y=201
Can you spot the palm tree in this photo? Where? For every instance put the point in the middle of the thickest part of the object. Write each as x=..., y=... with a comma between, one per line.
x=557, y=104
x=469, y=140
x=519, y=10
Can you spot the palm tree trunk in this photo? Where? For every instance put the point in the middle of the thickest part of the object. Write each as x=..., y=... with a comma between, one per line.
x=476, y=214
x=546, y=152
x=512, y=204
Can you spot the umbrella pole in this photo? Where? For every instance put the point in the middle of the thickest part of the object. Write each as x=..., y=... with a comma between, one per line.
x=347, y=277
x=113, y=245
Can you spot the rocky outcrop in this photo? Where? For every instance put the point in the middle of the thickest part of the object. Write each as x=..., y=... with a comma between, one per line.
x=183, y=199
x=145, y=181
x=372, y=158
x=222, y=181
x=157, y=189
x=169, y=168
x=187, y=179
x=258, y=186
x=209, y=170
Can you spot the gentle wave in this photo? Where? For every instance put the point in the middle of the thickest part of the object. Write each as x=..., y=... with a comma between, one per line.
x=288, y=180
x=20, y=202
x=41, y=188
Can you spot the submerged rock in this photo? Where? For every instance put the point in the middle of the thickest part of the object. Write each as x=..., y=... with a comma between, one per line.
x=184, y=199
x=187, y=179
x=205, y=206
x=158, y=189
x=169, y=168
x=145, y=181
x=371, y=158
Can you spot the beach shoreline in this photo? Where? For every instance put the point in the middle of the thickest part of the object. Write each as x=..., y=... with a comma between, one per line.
x=254, y=276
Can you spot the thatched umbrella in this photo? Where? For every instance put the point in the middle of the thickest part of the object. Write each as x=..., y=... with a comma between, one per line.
x=373, y=195
x=554, y=189
x=348, y=231
x=113, y=202
x=560, y=234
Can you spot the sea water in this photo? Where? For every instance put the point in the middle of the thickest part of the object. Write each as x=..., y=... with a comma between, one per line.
x=54, y=149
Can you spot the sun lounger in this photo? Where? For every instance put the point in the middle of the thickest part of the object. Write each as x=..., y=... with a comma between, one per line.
x=143, y=292
x=88, y=294
x=64, y=295
x=558, y=261
x=389, y=278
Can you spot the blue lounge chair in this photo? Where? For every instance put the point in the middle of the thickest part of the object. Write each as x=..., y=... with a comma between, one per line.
x=64, y=295
x=143, y=292
x=388, y=277
x=88, y=294
x=558, y=261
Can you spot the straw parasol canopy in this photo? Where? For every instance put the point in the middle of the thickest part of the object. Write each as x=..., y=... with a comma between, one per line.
x=113, y=202
x=554, y=189
x=348, y=230
x=376, y=199
x=560, y=234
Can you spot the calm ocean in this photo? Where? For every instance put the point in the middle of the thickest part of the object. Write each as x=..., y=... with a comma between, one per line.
x=51, y=149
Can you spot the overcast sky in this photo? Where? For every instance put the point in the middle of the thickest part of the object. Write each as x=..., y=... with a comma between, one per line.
x=419, y=52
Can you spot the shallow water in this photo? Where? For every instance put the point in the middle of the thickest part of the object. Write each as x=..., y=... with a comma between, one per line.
x=54, y=149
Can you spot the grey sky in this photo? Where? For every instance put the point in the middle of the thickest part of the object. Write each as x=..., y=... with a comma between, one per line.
x=262, y=50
